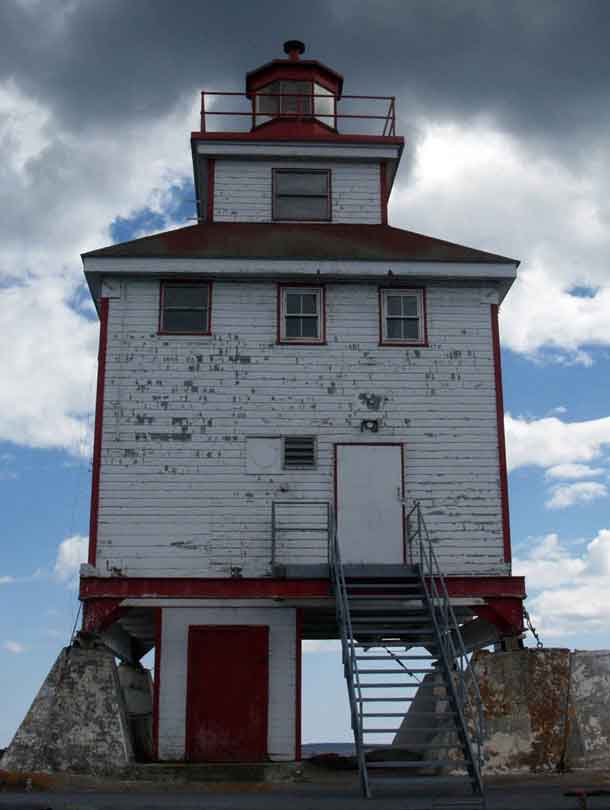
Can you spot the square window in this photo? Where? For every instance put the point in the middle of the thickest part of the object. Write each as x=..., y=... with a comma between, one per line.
x=185, y=308
x=402, y=317
x=301, y=195
x=301, y=313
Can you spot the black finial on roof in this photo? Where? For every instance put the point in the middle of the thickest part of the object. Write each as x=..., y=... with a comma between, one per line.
x=294, y=48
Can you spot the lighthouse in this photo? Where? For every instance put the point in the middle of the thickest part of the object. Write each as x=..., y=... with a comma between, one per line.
x=299, y=435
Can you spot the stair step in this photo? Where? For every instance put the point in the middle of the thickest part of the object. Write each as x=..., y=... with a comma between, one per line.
x=411, y=728
x=396, y=657
x=414, y=747
x=394, y=631
x=414, y=779
x=426, y=763
x=395, y=685
x=400, y=671
x=418, y=621
x=411, y=714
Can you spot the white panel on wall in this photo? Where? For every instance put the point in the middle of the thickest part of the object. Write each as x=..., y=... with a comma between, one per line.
x=263, y=455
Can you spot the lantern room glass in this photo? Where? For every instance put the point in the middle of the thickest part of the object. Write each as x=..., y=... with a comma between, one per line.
x=294, y=99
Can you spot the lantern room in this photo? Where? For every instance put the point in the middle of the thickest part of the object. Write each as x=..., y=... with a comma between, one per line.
x=294, y=88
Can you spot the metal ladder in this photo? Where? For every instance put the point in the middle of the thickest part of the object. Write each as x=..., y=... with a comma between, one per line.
x=403, y=657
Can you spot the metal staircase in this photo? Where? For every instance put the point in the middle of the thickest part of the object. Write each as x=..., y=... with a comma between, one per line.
x=407, y=672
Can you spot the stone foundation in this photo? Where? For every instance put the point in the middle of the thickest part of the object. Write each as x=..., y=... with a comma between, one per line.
x=77, y=721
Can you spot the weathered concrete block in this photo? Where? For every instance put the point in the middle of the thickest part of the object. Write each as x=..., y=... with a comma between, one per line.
x=589, y=717
x=524, y=694
x=77, y=721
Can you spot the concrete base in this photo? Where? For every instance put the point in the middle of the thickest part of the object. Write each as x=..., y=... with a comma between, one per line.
x=77, y=721
x=546, y=710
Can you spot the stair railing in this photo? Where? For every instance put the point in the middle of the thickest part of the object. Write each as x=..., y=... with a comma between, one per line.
x=449, y=635
x=350, y=664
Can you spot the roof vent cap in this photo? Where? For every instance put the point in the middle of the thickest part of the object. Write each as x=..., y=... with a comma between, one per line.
x=294, y=48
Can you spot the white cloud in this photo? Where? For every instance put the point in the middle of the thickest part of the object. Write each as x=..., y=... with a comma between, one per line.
x=571, y=494
x=7, y=580
x=14, y=647
x=573, y=471
x=477, y=185
x=570, y=590
x=550, y=442
x=71, y=553
x=47, y=374
x=59, y=193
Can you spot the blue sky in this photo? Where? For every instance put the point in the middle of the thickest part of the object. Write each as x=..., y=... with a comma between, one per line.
x=507, y=151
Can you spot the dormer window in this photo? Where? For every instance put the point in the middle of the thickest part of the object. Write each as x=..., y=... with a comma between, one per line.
x=185, y=308
x=301, y=314
x=403, y=317
x=301, y=195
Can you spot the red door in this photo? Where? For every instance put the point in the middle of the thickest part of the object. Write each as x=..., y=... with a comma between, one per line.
x=227, y=694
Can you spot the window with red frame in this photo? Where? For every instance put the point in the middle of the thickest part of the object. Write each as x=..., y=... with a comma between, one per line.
x=185, y=307
x=301, y=314
x=301, y=195
x=402, y=316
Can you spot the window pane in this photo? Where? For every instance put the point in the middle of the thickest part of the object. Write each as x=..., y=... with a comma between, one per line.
x=410, y=329
x=293, y=303
x=185, y=320
x=394, y=331
x=301, y=182
x=296, y=97
x=268, y=104
x=185, y=295
x=394, y=305
x=308, y=304
x=309, y=327
x=301, y=208
x=409, y=306
x=292, y=327
x=324, y=108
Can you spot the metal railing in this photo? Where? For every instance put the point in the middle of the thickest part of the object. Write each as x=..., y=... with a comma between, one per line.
x=451, y=645
x=304, y=104
x=350, y=667
x=281, y=527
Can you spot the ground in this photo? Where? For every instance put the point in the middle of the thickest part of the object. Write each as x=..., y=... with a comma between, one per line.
x=336, y=792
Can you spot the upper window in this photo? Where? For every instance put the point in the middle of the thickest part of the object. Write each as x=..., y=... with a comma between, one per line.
x=301, y=195
x=402, y=317
x=185, y=308
x=301, y=311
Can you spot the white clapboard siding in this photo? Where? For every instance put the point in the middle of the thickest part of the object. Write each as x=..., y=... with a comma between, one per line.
x=282, y=673
x=243, y=190
x=176, y=498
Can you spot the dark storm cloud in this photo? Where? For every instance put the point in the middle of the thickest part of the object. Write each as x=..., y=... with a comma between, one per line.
x=541, y=66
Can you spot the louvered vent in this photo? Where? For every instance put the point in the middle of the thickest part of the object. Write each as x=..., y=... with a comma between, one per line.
x=299, y=451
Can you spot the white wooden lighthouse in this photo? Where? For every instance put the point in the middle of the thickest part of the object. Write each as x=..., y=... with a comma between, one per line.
x=299, y=409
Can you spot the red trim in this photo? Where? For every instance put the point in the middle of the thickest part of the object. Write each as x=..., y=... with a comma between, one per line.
x=210, y=191
x=196, y=588
x=402, y=480
x=286, y=341
x=383, y=193
x=497, y=360
x=424, y=315
x=506, y=613
x=157, y=683
x=329, y=206
x=298, y=684
x=99, y=426
x=289, y=135
x=99, y=614
x=192, y=282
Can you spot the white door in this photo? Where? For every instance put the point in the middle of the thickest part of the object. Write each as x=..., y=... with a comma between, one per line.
x=369, y=507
